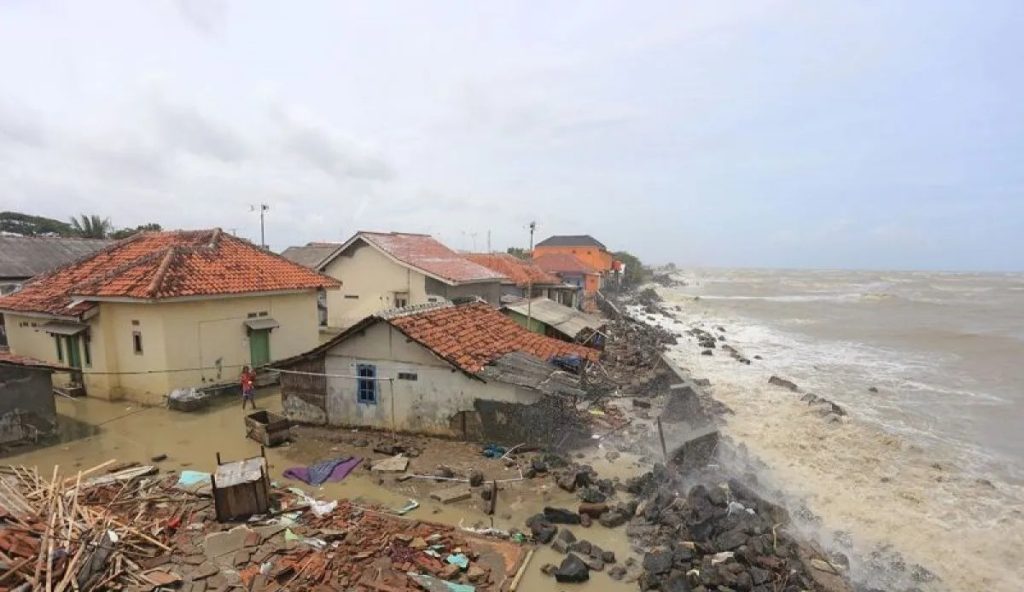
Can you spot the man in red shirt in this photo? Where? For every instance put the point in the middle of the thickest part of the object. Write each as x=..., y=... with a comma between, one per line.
x=248, y=380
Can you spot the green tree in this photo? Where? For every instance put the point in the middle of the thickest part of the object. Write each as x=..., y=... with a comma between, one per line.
x=29, y=225
x=519, y=252
x=91, y=226
x=126, y=232
x=636, y=272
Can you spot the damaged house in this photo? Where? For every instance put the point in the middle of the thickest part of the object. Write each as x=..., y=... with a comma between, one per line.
x=459, y=370
x=27, y=408
x=165, y=310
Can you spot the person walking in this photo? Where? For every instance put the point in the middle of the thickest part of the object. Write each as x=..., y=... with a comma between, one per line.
x=248, y=379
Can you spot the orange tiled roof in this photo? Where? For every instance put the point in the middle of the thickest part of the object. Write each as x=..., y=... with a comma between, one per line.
x=520, y=272
x=470, y=336
x=562, y=263
x=16, y=360
x=423, y=252
x=156, y=265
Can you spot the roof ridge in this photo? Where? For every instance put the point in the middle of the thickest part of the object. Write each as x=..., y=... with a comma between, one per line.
x=414, y=309
x=158, y=277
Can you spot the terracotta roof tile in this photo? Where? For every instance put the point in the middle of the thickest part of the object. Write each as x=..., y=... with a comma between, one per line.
x=520, y=272
x=427, y=254
x=16, y=360
x=562, y=263
x=471, y=336
x=155, y=265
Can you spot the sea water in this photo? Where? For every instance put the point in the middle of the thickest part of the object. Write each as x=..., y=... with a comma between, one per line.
x=932, y=464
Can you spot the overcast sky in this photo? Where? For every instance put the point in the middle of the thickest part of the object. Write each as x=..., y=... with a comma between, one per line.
x=785, y=134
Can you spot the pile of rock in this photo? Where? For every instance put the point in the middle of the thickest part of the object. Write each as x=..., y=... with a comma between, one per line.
x=721, y=536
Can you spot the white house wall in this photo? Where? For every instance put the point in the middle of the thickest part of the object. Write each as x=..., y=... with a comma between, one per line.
x=370, y=281
x=430, y=404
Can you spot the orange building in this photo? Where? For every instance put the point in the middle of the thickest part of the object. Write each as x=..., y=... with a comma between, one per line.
x=584, y=247
x=575, y=272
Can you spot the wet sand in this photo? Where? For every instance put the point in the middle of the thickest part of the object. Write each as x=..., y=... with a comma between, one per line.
x=95, y=431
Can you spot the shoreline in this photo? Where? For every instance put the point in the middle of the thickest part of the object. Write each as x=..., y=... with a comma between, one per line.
x=853, y=486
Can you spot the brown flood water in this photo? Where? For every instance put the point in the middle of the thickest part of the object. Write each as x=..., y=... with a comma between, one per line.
x=94, y=431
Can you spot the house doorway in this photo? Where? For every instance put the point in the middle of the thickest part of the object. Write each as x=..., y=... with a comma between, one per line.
x=259, y=347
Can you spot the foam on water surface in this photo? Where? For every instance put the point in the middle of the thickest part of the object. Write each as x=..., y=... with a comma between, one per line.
x=902, y=470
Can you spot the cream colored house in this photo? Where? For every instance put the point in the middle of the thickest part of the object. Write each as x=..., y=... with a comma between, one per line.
x=462, y=370
x=388, y=270
x=165, y=310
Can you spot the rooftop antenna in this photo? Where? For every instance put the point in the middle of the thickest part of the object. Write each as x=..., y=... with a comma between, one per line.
x=529, y=282
x=263, y=210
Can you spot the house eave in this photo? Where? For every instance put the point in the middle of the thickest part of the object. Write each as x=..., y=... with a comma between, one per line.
x=133, y=300
x=43, y=315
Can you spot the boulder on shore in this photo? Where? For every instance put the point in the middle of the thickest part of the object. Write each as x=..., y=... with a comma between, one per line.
x=782, y=382
x=561, y=516
x=572, y=570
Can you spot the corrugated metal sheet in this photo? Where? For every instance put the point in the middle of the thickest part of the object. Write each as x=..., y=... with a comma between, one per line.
x=565, y=320
x=27, y=256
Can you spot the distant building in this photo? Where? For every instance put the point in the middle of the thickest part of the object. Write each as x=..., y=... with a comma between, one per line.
x=584, y=247
x=27, y=408
x=574, y=271
x=383, y=270
x=165, y=310
x=525, y=279
x=22, y=257
x=462, y=370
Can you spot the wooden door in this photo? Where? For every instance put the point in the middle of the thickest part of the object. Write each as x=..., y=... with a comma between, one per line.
x=259, y=347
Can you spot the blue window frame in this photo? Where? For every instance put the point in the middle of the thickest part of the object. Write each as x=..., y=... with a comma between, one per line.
x=366, y=384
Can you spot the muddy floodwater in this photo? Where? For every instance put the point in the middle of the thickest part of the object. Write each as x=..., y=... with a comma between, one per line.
x=94, y=431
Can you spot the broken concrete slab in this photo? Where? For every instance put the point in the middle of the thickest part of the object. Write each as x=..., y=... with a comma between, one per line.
x=395, y=464
x=223, y=545
x=450, y=495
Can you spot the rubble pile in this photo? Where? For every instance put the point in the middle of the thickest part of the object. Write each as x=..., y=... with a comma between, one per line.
x=362, y=549
x=632, y=358
x=134, y=530
x=721, y=534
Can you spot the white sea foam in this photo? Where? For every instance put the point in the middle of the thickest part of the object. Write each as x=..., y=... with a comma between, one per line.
x=893, y=472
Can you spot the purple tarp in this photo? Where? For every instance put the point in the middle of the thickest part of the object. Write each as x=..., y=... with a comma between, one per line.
x=321, y=472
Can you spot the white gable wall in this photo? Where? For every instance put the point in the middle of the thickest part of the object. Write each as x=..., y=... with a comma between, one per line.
x=370, y=281
x=425, y=405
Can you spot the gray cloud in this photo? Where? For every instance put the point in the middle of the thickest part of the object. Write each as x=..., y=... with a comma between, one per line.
x=207, y=16
x=19, y=126
x=335, y=156
x=183, y=127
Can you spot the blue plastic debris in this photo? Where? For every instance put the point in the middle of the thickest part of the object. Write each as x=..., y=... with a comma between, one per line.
x=494, y=451
x=572, y=362
x=458, y=559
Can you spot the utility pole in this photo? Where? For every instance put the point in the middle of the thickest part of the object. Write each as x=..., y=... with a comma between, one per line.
x=529, y=283
x=489, y=241
x=263, y=209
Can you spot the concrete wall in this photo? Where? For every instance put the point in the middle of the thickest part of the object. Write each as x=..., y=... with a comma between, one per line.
x=489, y=291
x=370, y=281
x=175, y=336
x=437, y=402
x=213, y=336
x=27, y=409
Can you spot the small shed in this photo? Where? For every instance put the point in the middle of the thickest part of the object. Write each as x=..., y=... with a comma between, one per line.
x=27, y=408
x=547, y=317
x=241, y=488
